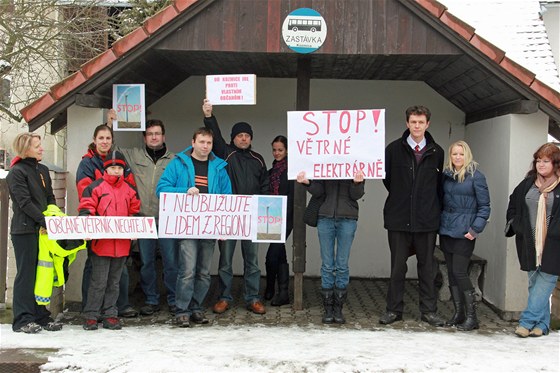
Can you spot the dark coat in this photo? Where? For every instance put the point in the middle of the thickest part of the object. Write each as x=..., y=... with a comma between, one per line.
x=31, y=191
x=110, y=196
x=341, y=197
x=415, y=192
x=286, y=188
x=246, y=168
x=524, y=240
x=466, y=205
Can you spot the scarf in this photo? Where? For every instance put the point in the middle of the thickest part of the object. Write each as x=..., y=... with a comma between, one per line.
x=278, y=167
x=545, y=185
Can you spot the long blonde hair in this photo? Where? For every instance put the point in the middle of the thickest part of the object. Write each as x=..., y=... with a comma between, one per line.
x=22, y=143
x=469, y=166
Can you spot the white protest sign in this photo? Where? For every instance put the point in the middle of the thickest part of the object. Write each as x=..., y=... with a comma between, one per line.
x=100, y=227
x=336, y=144
x=226, y=216
x=232, y=89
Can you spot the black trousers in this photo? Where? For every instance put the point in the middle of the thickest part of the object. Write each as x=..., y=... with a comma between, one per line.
x=276, y=253
x=25, y=309
x=458, y=252
x=402, y=244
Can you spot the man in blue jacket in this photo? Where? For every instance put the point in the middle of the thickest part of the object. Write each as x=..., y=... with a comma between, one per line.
x=194, y=170
x=413, y=166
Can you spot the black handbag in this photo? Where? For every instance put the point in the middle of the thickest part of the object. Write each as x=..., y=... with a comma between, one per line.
x=509, y=232
x=311, y=213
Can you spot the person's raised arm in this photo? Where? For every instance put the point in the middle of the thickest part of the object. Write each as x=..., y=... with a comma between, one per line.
x=220, y=146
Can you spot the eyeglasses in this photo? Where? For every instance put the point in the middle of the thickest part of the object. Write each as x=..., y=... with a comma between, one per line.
x=149, y=134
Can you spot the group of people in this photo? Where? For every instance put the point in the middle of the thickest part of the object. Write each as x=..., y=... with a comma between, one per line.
x=425, y=198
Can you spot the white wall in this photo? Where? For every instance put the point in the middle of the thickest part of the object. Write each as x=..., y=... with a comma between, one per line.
x=81, y=124
x=504, y=147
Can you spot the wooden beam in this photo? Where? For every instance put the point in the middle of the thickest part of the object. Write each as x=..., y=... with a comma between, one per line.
x=299, y=238
x=93, y=101
x=515, y=107
x=59, y=122
x=554, y=128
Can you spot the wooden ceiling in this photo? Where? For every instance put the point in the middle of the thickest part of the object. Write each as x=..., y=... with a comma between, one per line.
x=367, y=40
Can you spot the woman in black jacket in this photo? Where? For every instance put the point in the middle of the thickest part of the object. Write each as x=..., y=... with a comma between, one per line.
x=533, y=216
x=336, y=224
x=31, y=191
x=276, y=261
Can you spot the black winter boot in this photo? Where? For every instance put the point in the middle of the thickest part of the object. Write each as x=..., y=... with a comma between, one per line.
x=339, y=300
x=470, y=305
x=459, y=315
x=271, y=273
x=283, y=296
x=328, y=300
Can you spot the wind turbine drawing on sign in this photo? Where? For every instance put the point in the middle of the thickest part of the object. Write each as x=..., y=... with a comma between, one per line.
x=124, y=94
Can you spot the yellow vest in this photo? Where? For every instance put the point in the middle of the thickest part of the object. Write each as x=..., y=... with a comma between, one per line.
x=50, y=266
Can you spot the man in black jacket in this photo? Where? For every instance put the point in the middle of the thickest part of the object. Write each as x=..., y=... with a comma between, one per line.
x=412, y=211
x=248, y=173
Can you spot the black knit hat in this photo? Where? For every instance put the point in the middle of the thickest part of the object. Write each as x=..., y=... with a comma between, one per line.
x=114, y=158
x=241, y=127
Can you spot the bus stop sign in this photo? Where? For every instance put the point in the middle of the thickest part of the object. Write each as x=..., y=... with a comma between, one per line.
x=304, y=30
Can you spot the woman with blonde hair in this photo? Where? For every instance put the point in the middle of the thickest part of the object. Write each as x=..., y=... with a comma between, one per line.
x=466, y=208
x=31, y=191
x=533, y=216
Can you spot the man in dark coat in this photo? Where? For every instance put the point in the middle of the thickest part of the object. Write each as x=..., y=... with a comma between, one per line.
x=412, y=211
x=249, y=175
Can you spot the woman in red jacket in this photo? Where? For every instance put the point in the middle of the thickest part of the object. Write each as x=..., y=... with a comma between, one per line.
x=89, y=170
x=108, y=196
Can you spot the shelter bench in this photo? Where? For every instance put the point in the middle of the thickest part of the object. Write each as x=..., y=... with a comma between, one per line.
x=476, y=274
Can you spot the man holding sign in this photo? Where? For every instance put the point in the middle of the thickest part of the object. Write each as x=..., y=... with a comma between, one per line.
x=195, y=170
x=249, y=176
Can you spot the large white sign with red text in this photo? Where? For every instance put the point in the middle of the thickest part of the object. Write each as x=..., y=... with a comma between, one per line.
x=336, y=144
x=226, y=216
x=100, y=227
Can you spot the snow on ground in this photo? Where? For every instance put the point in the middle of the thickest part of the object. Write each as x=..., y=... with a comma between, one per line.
x=164, y=348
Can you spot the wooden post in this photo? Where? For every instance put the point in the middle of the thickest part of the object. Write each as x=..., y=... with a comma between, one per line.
x=299, y=239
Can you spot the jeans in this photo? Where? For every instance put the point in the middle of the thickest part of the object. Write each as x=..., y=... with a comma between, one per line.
x=193, y=277
x=148, y=273
x=122, y=301
x=334, y=266
x=537, y=313
x=251, y=271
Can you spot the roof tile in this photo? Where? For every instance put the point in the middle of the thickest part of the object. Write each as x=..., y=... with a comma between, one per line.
x=517, y=70
x=67, y=85
x=183, y=4
x=161, y=18
x=433, y=7
x=546, y=92
x=37, y=107
x=457, y=25
x=129, y=41
x=489, y=49
x=98, y=63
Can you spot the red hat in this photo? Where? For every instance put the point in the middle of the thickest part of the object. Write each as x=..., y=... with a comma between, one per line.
x=115, y=158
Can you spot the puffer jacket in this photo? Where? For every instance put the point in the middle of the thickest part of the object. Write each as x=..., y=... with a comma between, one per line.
x=91, y=169
x=179, y=176
x=110, y=196
x=246, y=168
x=341, y=197
x=31, y=192
x=146, y=175
x=414, y=200
x=466, y=205
x=518, y=213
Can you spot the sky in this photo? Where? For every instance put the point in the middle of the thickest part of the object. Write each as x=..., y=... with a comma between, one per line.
x=258, y=348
